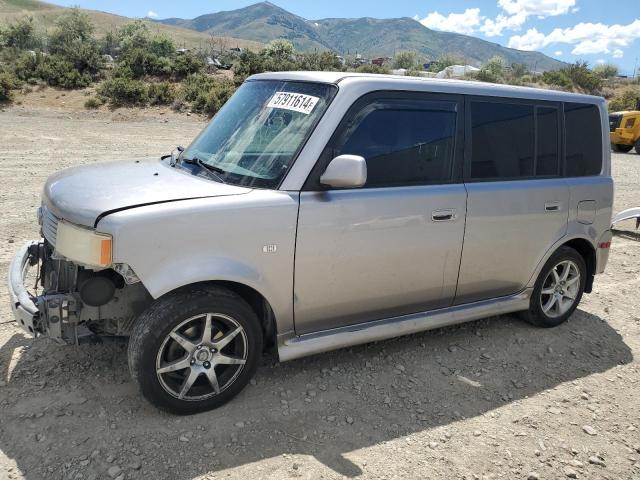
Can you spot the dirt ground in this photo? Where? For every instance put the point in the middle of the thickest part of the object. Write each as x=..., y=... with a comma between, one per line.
x=493, y=399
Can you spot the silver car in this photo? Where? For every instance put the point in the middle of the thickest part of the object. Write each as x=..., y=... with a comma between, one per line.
x=318, y=211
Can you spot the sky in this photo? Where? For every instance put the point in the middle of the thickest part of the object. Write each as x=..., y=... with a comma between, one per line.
x=597, y=31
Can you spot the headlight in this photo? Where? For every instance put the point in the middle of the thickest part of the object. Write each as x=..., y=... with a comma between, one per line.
x=83, y=245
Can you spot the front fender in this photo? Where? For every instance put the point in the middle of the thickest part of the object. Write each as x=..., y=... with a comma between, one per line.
x=172, y=275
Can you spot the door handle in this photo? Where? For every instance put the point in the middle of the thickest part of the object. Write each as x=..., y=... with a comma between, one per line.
x=552, y=206
x=443, y=215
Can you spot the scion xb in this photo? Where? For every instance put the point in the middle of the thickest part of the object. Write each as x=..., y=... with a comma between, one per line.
x=318, y=211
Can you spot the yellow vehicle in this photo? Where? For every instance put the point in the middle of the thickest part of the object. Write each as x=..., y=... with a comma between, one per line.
x=624, y=128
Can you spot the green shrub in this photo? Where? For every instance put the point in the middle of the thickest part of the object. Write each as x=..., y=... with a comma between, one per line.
x=583, y=78
x=57, y=71
x=72, y=40
x=445, y=61
x=627, y=100
x=124, y=91
x=194, y=85
x=217, y=96
x=21, y=35
x=606, y=70
x=406, y=60
x=205, y=94
x=370, y=68
x=7, y=83
x=162, y=93
x=93, y=103
x=558, y=78
x=249, y=63
x=492, y=71
x=139, y=63
x=187, y=64
x=318, y=61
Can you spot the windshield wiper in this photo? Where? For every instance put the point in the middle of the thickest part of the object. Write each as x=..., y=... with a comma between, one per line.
x=215, y=171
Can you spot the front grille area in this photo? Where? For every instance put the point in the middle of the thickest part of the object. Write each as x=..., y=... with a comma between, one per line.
x=49, y=226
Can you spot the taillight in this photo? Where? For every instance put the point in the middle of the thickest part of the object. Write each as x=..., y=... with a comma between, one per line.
x=604, y=244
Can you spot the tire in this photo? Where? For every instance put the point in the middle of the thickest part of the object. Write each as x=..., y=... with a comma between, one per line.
x=618, y=147
x=637, y=146
x=177, y=366
x=549, y=305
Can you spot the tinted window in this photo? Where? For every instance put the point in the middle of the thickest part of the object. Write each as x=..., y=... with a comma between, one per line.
x=502, y=140
x=547, y=160
x=583, y=138
x=404, y=142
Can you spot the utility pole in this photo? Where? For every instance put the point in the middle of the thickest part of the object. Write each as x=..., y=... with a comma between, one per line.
x=635, y=64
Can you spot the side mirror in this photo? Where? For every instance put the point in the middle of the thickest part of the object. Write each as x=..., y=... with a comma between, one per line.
x=345, y=171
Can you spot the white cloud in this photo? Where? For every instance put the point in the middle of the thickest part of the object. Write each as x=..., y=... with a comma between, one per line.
x=558, y=53
x=540, y=8
x=494, y=28
x=465, y=22
x=152, y=14
x=514, y=15
x=587, y=38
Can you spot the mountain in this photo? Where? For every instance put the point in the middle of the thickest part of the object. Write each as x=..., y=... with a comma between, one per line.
x=265, y=21
x=46, y=14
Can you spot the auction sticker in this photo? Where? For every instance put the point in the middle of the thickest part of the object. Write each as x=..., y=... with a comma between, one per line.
x=297, y=102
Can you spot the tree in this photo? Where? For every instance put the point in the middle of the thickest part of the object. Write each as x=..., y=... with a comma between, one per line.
x=445, y=61
x=73, y=41
x=162, y=46
x=583, y=78
x=71, y=29
x=279, y=51
x=21, y=35
x=606, y=70
x=406, y=60
x=134, y=35
x=318, y=61
x=492, y=71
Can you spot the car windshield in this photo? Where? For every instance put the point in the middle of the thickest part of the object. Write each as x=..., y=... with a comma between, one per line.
x=255, y=137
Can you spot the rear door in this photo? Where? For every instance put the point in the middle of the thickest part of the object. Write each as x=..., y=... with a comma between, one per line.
x=393, y=246
x=517, y=199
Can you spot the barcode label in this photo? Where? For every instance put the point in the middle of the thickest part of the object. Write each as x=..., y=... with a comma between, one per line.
x=297, y=102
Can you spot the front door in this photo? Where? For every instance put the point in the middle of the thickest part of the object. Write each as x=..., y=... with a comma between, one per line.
x=393, y=246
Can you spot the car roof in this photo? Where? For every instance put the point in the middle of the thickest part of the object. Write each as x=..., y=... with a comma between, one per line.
x=441, y=85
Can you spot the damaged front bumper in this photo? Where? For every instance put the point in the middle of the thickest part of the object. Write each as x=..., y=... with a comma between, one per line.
x=51, y=315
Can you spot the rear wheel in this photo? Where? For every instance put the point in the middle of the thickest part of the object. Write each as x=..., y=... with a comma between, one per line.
x=558, y=289
x=637, y=146
x=195, y=349
x=618, y=147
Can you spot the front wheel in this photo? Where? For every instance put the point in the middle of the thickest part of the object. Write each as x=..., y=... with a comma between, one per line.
x=558, y=289
x=195, y=349
x=618, y=147
x=637, y=145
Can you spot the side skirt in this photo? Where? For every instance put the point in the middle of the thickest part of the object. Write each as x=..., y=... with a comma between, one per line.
x=291, y=347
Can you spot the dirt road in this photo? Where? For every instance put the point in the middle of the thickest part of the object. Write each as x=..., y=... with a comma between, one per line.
x=493, y=399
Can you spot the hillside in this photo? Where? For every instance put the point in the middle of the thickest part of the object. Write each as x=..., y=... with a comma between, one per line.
x=45, y=15
x=265, y=21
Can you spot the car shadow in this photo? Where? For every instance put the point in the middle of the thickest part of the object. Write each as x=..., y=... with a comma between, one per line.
x=70, y=410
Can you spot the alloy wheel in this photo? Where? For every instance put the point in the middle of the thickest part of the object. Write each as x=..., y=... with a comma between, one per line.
x=202, y=356
x=560, y=289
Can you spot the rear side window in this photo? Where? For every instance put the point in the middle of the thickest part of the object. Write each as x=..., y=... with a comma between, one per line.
x=502, y=140
x=630, y=123
x=404, y=142
x=547, y=158
x=583, y=139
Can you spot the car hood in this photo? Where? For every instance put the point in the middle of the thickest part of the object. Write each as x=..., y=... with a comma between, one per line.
x=83, y=195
